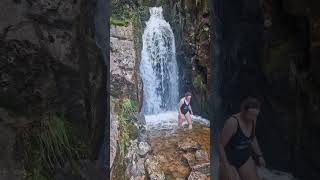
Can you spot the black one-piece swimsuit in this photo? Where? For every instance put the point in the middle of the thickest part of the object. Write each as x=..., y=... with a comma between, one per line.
x=185, y=108
x=238, y=149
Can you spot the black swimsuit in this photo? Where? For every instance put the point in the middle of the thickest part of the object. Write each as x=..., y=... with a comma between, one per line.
x=238, y=149
x=185, y=108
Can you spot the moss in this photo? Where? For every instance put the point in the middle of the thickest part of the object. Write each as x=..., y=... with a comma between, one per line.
x=119, y=22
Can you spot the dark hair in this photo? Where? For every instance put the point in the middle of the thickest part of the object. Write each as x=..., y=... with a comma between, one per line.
x=188, y=94
x=250, y=102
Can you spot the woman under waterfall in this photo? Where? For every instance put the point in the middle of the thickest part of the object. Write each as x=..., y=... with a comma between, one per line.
x=238, y=144
x=184, y=108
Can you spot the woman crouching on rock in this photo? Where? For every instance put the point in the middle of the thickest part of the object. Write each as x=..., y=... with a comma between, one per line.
x=184, y=108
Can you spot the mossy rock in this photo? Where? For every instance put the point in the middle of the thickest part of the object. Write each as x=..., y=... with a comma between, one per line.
x=197, y=80
x=119, y=22
x=133, y=131
x=278, y=58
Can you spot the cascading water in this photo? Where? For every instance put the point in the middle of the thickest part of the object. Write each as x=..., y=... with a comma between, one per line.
x=158, y=67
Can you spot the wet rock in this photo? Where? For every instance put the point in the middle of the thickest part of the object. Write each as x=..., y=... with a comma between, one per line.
x=188, y=159
x=153, y=169
x=133, y=131
x=142, y=136
x=203, y=168
x=138, y=118
x=134, y=163
x=188, y=145
x=143, y=148
x=196, y=175
x=202, y=156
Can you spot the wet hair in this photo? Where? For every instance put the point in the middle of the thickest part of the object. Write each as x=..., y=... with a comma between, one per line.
x=188, y=94
x=250, y=102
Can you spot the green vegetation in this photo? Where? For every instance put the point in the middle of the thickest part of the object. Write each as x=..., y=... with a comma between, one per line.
x=197, y=80
x=278, y=60
x=192, y=35
x=48, y=146
x=127, y=109
x=205, y=28
x=122, y=8
x=119, y=22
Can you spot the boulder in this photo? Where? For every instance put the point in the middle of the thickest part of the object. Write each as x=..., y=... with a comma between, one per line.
x=188, y=145
x=202, y=156
x=143, y=148
x=188, y=159
x=153, y=169
x=196, y=175
x=203, y=168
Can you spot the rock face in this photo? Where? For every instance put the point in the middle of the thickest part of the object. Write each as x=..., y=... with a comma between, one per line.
x=190, y=22
x=50, y=64
x=123, y=63
x=124, y=83
x=114, y=137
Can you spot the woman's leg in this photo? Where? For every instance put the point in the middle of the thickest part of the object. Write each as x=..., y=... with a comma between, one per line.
x=188, y=118
x=223, y=173
x=248, y=171
x=179, y=121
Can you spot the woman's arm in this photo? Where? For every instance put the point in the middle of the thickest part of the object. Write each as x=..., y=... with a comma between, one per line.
x=223, y=139
x=256, y=148
x=190, y=109
x=179, y=106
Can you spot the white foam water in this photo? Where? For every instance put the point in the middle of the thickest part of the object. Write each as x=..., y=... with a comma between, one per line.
x=169, y=121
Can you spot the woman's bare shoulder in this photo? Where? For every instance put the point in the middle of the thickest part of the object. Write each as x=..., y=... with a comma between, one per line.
x=231, y=122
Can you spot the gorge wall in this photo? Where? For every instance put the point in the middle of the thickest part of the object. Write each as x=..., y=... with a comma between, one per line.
x=53, y=90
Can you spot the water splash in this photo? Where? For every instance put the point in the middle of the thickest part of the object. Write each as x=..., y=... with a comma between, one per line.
x=169, y=121
x=158, y=67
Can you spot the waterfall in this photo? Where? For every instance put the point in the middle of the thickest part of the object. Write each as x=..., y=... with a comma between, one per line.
x=158, y=67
